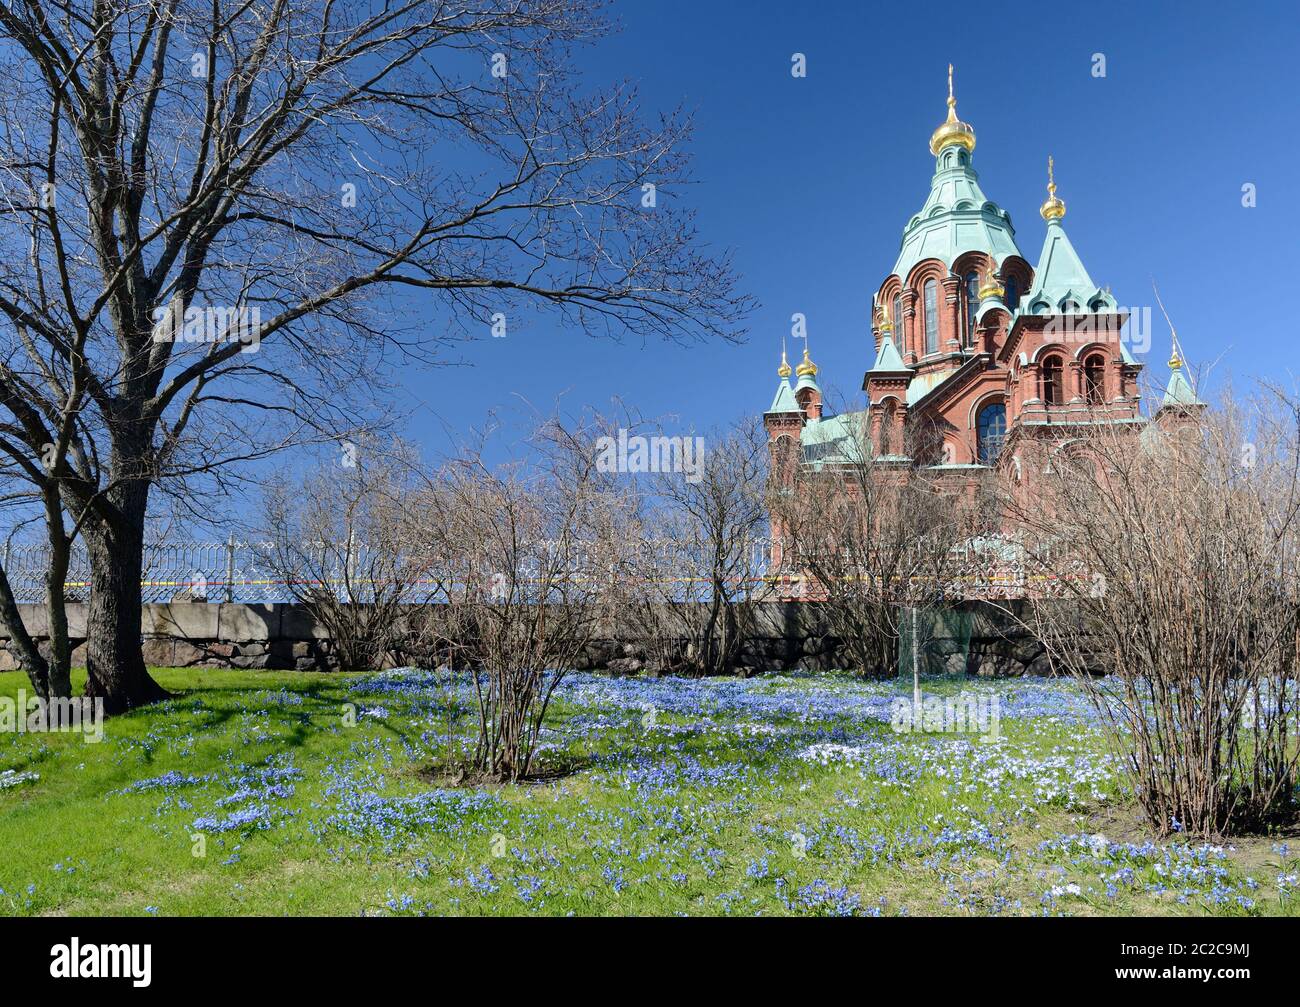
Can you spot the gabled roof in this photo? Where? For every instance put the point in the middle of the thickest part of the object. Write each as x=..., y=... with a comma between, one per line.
x=946, y=380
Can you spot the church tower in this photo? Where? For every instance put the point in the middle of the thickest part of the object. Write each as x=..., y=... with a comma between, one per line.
x=980, y=362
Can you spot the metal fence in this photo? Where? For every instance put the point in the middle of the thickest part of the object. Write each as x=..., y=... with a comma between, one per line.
x=219, y=571
x=230, y=571
x=241, y=571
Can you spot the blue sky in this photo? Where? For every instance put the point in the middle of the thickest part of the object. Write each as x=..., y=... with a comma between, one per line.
x=810, y=181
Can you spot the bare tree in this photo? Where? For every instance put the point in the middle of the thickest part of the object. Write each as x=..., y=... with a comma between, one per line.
x=1169, y=563
x=218, y=220
x=339, y=541
x=49, y=671
x=869, y=538
x=703, y=523
x=523, y=559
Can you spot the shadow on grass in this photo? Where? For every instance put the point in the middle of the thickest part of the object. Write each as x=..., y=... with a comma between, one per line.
x=549, y=767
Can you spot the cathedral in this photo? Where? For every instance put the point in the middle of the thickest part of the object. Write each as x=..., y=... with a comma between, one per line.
x=980, y=358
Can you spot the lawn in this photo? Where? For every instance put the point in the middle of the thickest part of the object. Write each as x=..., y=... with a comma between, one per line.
x=258, y=793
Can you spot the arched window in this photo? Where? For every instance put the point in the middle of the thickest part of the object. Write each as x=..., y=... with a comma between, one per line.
x=898, y=323
x=990, y=432
x=1053, y=393
x=972, y=304
x=1094, y=380
x=931, y=317
x=1012, y=297
x=887, y=419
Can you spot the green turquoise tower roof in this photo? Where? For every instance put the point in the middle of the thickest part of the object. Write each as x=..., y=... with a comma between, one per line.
x=1179, y=392
x=783, y=401
x=957, y=217
x=1060, y=279
x=888, y=360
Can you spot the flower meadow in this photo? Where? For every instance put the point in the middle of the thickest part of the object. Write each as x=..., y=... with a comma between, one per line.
x=268, y=793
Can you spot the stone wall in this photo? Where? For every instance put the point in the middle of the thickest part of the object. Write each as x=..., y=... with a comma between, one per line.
x=786, y=635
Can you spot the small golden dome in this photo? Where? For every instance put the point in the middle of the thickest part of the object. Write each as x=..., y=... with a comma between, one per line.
x=952, y=130
x=886, y=325
x=807, y=367
x=1175, y=362
x=991, y=287
x=1053, y=209
x=784, y=370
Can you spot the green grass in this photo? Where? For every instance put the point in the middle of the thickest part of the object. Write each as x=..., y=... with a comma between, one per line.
x=688, y=797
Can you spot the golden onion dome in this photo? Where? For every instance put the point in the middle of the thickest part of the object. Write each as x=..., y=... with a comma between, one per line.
x=1053, y=209
x=807, y=367
x=952, y=130
x=991, y=287
x=784, y=370
x=1175, y=362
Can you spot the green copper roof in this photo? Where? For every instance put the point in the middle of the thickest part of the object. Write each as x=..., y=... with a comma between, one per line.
x=957, y=217
x=888, y=360
x=923, y=384
x=1061, y=279
x=784, y=401
x=1179, y=391
x=837, y=439
x=806, y=381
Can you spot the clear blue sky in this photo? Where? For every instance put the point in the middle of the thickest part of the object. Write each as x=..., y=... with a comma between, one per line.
x=810, y=181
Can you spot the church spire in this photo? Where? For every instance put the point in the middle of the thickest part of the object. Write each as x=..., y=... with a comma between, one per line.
x=1061, y=283
x=1053, y=209
x=784, y=370
x=952, y=130
x=1179, y=393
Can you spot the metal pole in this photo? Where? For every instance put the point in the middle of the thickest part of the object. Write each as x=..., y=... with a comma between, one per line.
x=230, y=568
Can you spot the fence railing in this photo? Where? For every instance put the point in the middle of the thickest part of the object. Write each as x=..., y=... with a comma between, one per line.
x=231, y=571
x=242, y=571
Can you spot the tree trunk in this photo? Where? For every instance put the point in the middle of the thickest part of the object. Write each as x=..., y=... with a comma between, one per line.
x=114, y=656
x=56, y=609
x=31, y=659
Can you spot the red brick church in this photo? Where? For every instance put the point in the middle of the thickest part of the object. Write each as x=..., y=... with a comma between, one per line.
x=979, y=355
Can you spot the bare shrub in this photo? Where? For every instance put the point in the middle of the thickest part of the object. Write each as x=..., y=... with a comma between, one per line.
x=868, y=538
x=1170, y=563
x=525, y=557
x=339, y=542
x=695, y=571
